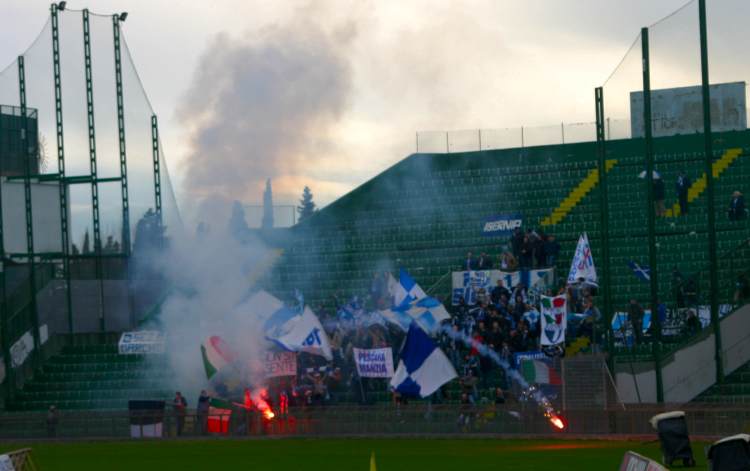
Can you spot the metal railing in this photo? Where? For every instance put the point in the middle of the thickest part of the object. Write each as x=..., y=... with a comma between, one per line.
x=389, y=419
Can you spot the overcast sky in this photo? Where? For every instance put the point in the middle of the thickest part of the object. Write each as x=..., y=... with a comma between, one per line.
x=329, y=93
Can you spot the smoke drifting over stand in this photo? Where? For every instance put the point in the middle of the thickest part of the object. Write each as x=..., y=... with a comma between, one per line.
x=262, y=105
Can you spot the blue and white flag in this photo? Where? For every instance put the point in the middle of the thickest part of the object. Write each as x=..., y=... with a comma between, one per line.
x=423, y=367
x=643, y=273
x=428, y=313
x=583, y=263
x=298, y=333
x=405, y=290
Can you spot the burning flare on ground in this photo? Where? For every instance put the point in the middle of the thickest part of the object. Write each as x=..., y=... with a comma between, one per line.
x=557, y=421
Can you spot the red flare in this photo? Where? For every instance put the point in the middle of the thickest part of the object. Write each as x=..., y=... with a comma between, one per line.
x=558, y=422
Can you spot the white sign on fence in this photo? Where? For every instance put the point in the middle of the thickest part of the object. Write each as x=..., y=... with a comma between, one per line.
x=142, y=342
x=374, y=362
x=680, y=110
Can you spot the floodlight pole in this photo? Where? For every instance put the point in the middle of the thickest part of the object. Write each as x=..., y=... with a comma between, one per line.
x=708, y=164
x=93, y=166
x=648, y=137
x=26, y=142
x=62, y=184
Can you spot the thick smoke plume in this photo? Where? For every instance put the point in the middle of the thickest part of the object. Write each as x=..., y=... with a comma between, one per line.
x=259, y=106
x=211, y=276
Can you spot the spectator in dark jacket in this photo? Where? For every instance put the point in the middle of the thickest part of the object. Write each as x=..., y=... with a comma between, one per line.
x=551, y=250
x=635, y=314
x=498, y=291
x=737, y=207
x=516, y=241
x=527, y=251
x=682, y=186
x=659, y=197
x=484, y=262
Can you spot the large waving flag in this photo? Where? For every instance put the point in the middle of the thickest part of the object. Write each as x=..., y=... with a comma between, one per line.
x=423, y=367
x=405, y=290
x=216, y=355
x=428, y=313
x=298, y=333
x=411, y=303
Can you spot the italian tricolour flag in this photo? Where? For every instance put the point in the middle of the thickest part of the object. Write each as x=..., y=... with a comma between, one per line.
x=216, y=355
x=539, y=372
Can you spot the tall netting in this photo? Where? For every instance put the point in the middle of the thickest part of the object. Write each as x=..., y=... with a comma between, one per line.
x=81, y=135
x=680, y=186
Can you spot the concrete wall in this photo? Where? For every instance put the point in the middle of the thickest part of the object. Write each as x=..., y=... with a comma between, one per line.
x=636, y=382
x=735, y=339
x=689, y=371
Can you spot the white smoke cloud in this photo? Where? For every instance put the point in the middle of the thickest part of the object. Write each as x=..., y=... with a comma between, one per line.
x=263, y=105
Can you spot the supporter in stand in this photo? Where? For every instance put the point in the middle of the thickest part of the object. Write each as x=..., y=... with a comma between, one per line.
x=537, y=243
x=742, y=289
x=498, y=291
x=692, y=323
x=508, y=262
x=482, y=297
x=520, y=290
x=527, y=252
x=519, y=309
x=516, y=242
x=532, y=319
x=523, y=340
x=635, y=314
x=682, y=185
x=469, y=263
x=484, y=262
x=495, y=337
x=551, y=250
x=691, y=291
x=737, y=207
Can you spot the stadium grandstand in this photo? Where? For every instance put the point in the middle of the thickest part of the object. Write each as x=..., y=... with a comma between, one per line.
x=577, y=287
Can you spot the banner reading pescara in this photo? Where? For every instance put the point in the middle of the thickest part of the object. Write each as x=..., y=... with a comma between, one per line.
x=467, y=283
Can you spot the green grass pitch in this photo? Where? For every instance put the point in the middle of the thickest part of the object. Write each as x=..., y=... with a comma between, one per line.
x=340, y=454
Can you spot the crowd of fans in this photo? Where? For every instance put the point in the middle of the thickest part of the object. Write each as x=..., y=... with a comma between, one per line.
x=529, y=249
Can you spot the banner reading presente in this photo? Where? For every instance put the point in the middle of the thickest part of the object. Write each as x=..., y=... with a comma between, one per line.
x=374, y=362
x=280, y=364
